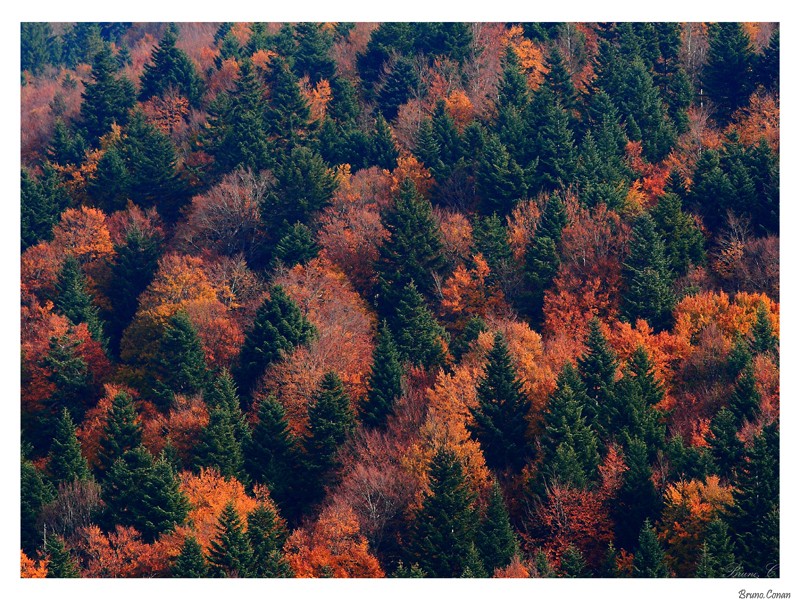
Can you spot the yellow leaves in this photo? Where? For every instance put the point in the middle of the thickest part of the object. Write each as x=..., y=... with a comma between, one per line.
x=460, y=108
x=465, y=293
x=317, y=96
x=531, y=57
x=759, y=119
x=28, y=569
x=694, y=313
x=83, y=233
x=408, y=167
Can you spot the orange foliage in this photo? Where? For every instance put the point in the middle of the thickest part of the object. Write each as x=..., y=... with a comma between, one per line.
x=408, y=167
x=208, y=493
x=181, y=427
x=465, y=294
x=168, y=112
x=133, y=218
x=83, y=233
x=460, y=108
x=530, y=55
x=522, y=223
x=759, y=119
x=28, y=569
x=39, y=267
x=515, y=570
x=122, y=553
x=90, y=432
x=344, y=342
x=317, y=96
x=333, y=547
x=694, y=313
x=456, y=234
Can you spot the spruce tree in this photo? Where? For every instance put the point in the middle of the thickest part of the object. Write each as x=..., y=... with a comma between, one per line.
x=413, y=250
x=279, y=326
x=637, y=499
x=190, y=562
x=598, y=367
x=398, y=87
x=330, y=424
x=271, y=456
x=513, y=88
x=474, y=327
x=230, y=553
x=65, y=461
x=764, y=340
x=385, y=380
x=728, y=75
x=170, y=69
x=59, y=562
x=496, y=540
x=541, y=564
x=499, y=179
x=312, y=55
x=383, y=148
x=180, y=361
x=745, y=401
x=559, y=81
x=35, y=493
x=540, y=267
x=473, y=565
x=718, y=550
x=648, y=278
x=287, y=114
x=684, y=244
x=572, y=563
x=74, y=302
x=444, y=529
x=297, y=246
x=107, y=98
x=42, y=200
x=109, y=186
x=122, y=431
x=726, y=447
x=219, y=448
x=754, y=516
x=555, y=146
x=608, y=568
x=490, y=238
x=648, y=560
x=769, y=63
x=267, y=535
x=501, y=414
x=419, y=337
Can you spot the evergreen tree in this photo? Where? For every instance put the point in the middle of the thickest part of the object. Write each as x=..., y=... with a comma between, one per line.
x=109, y=186
x=271, y=456
x=557, y=155
x=687, y=462
x=559, y=81
x=312, y=55
x=218, y=446
x=569, y=445
x=474, y=327
x=718, y=559
x=572, y=563
x=769, y=63
x=35, y=493
x=598, y=368
x=190, y=562
x=473, y=565
x=122, y=431
x=73, y=301
x=267, y=534
x=144, y=494
x=59, y=562
x=648, y=560
x=728, y=75
x=297, y=246
x=496, y=540
x=42, y=201
x=38, y=47
x=398, y=87
x=385, y=380
x=745, y=400
x=513, y=89
x=499, y=180
x=287, y=114
x=229, y=48
x=683, y=241
x=540, y=267
x=65, y=461
x=180, y=363
x=330, y=424
x=419, y=337
x=444, y=530
x=764, y=339
x=230, y=553
x=71, y=379
x=725, y=445
x=754, y=516
x=106, y=98
x=637, y=499
x=237, y=133
x=279, y=326
x=383, y=147
x=647, y=277
x=502, y=410
x=609, y=568
x=542, y=565
x=170, y=68
x=413, y=250
x=490, y=238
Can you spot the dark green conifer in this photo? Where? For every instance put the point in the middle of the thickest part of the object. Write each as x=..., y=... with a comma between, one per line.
x=230, y=554
x=718, y=558
x=73, y=301
x=769, y=63
x=35, y=493
x=500, y=181
x=312, y=55
x=496, y=540
x=59, y=561
x=637, y=499
x=648, y=560
x=726, y=447
x=65, y=461
x=170, y=68
x=297, y=246
x=287, y=113
x=419, y=337
x=385, y=380
x=728, y=78
x=501, y=414
x=190, y=562
x=764, y=339
x=180, y=363
x=573, y=564
x=267, y=535
x=122, y=431
x=684, y=244
x=107, y=98
x=42, y=201
x=598, y=368
x=398, y=86
x=384, y=150
x=745, y=400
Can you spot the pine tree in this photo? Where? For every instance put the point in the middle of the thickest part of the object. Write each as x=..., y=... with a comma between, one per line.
x=180, y=362
x=728, y=75
x=383, y=148
x=312, y=55
x=267, y=534
x=65, y=461
x=684, y=244
x=637, y=499
x=542, y=565
x=279, y=326
x=598, y=368
x=397, y=88
x=648, y=560
x=754, y=516
x=230, y=554
x=271, y=456
x=297, y=246
x=572, y=563
x=726, y=447
x=502, y=410
x=419, y=337
x=42, y=200
x=559, y=81
x=106, y=98
x=473, y=565
x=330, y=424
x=413, y=250
x=718, y=548
x=444, y=529
x=170, y=68
x=190, y=562
x=287, y=114
x=499, y=179
x=229, y=48
x=764, y=339
x=609, y=568
x=73, y=301
x=555, y=146
x=219, y=448
x=59, y=562
x=122, y=431
x=490, y=239
x=109, y=186
x=496, y=540
x=647, y=277
x=769, y=63
x=447, y=138
x=540, y=267
x=385, y=380
x=513, y=88
x=569, y=445
x=38, y=47
x=35, y=493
